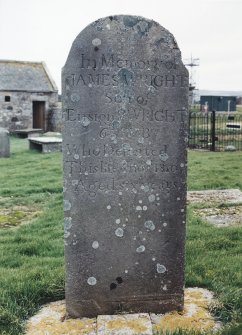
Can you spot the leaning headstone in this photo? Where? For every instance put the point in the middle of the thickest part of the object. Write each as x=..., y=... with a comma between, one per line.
x=4, y=143
x=125, y=98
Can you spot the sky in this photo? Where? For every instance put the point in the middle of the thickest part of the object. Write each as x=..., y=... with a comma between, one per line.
x=208, y=30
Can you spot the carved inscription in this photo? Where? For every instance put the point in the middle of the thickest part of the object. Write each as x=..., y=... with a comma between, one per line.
x=126, y=116
x=155, y=73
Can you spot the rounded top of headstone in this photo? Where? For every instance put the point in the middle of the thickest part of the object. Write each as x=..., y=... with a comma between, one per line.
x=127, y=31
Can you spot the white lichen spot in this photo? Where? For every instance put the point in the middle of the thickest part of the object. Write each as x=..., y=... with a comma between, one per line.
x=108, y=26
x=67, y=222
x=134, y=238
x=159, y=230
x=148, y=162
x=182, y=210
x=183, y=221
x=67, y=205
x=119, y=232
x=90, y=85
x=126, y=271
x=138, y=208
x=75, y=97
x=126, y=146
x=162, y=214
x=96, y=42
x=64, y=189
x=141, y=140
x=146, y=188
x=86, y=173
x=164, y=224
x=158, y=198
x=124, y=225
x=67, y=234
x=67, y=226
x=126, y=219
x=178, y=199
x=76, y=156
x=142, y=187
x=144, y=239
x=117, y=221
x=119, y=204
x=160, y=268
x=139, y=216
x=140, y=249
x=151, y=198
x=144, y=208
x=149, y=225
x=140, y=201
x=153, y=259
x=120, y=193
x=92, y=281
x=108, y=207
x=136, y=263
x=95, y=244
x=74, y=182
x=182, y=165
x=158, y=204
x=134, y=190
x=165, y=287
x=163, y=156
x=85, y=121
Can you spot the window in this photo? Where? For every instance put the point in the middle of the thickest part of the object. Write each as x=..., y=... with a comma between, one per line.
x=7, y=98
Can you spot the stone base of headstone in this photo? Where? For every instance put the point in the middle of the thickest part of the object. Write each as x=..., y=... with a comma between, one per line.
x=51, y=319
x=92, y=308
x=4, y=143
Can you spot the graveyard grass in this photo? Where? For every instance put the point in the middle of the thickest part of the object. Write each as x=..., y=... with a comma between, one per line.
x=32, y=264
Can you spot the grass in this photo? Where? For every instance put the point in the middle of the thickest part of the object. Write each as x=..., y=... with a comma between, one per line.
x=210, y=170
x=32, y=265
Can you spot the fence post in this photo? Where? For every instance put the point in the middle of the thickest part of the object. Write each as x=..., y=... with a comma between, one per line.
x=213, y=135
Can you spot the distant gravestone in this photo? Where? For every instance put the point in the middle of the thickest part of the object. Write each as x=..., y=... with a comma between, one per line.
x=4, y=143
x=125, y=99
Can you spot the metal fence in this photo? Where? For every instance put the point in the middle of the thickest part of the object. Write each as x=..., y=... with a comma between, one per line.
x=215, y=131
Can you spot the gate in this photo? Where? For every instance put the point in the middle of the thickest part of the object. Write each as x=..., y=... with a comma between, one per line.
x=215, y=131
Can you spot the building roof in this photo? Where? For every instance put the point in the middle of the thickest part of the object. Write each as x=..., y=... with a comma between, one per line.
x=25, y=76
x=220, y=93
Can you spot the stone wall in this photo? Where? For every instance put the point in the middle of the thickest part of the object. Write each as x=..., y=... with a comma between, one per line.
x=17, y=113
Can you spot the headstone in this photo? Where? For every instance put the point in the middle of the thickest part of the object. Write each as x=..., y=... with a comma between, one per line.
x=4, y=143
x=125, y=99
x=230, y=148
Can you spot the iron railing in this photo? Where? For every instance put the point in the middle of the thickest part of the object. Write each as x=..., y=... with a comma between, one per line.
x=215, y=131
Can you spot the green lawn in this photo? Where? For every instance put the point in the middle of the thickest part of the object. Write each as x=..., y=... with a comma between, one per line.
x=32, y=265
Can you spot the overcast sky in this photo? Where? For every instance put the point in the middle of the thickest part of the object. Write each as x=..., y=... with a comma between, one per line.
x=211, y=30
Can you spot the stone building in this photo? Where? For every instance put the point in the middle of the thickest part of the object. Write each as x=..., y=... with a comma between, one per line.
x=28, y=97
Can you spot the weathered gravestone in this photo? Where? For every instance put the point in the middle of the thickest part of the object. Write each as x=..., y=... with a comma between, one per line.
x=125, y=98
x=4, y=143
